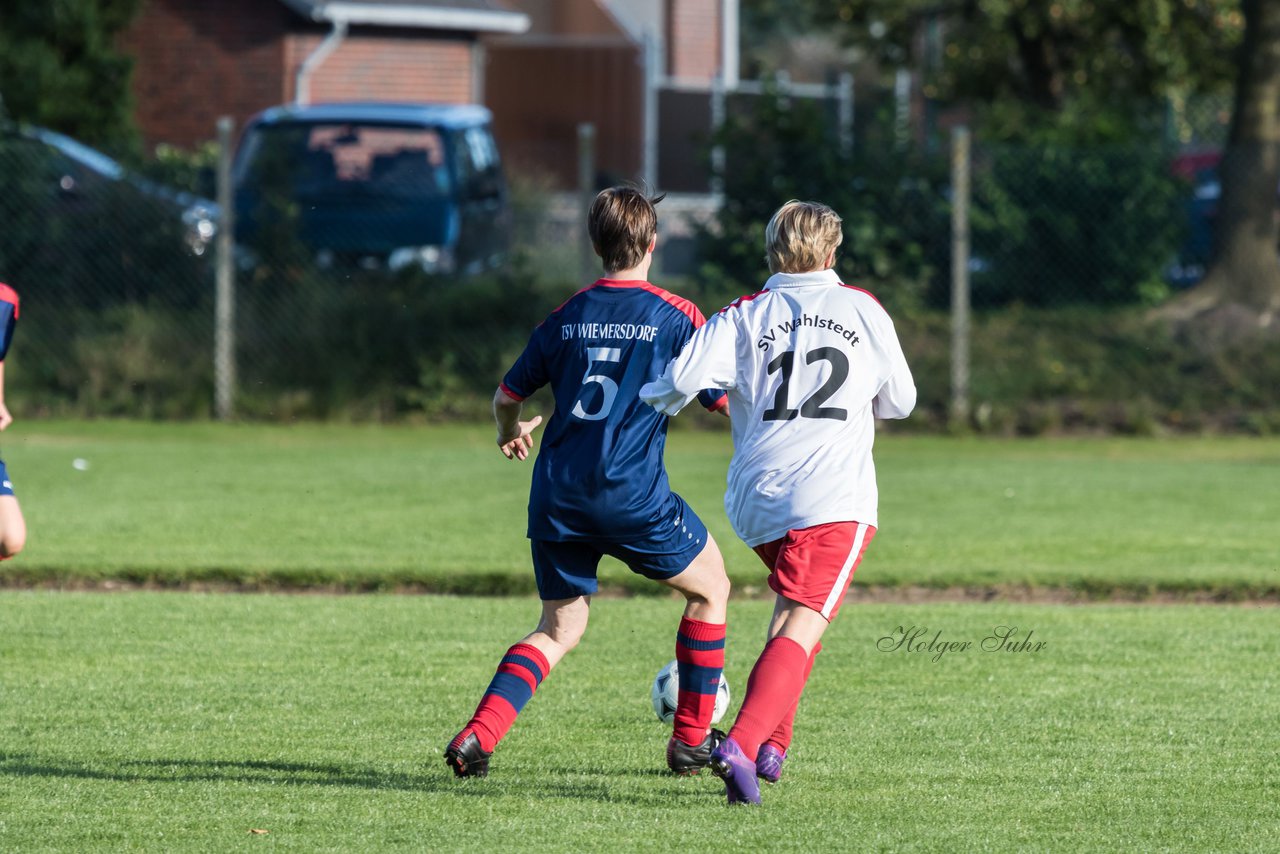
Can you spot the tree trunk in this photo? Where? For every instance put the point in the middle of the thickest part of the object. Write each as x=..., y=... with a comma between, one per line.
x=1244, y=275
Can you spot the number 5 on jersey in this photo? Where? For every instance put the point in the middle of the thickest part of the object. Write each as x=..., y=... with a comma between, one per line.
x=608, y=388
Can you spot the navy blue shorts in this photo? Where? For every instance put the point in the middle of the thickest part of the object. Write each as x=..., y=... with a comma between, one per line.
x=568, y=569
x=6, y=488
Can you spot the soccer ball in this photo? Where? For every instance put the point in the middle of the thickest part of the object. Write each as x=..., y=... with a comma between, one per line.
x=666, y=689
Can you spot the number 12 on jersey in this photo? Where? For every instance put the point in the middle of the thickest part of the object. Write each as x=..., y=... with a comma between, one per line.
x=812, y=407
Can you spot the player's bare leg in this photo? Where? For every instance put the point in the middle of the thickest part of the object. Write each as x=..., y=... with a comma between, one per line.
x=704, y=585
x=798, y=622
x=562, y=625
x=519, y=674
x=700, y=653
x=13, y=528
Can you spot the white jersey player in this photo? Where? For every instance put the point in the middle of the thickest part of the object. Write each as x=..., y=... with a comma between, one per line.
x=809, y=363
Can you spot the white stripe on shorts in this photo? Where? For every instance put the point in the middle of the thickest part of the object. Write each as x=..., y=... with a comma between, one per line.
x=843, y=578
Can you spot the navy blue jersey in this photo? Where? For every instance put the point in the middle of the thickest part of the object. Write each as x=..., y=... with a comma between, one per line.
x=8, y=318
x=599, y=471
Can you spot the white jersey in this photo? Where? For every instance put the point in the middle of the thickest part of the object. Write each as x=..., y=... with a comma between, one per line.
x=808, y=363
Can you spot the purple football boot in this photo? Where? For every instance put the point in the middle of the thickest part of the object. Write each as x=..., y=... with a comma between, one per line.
x=769, y=763
x=730, y=764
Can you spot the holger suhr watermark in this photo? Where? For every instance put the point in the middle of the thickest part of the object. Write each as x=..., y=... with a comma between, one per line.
x=918, y=639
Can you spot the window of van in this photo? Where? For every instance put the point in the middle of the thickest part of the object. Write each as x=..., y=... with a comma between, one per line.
x=324, y=160
x=373, y=187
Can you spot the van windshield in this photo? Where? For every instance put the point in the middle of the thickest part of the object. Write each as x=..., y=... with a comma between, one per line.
x=343, y=159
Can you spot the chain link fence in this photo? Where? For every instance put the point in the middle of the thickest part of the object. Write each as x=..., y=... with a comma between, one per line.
x=117, y=280
x=113, y=276
x=1068, y=245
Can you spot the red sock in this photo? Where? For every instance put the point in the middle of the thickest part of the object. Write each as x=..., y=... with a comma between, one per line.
x=700, y=652
x=781, y=737
x=773, y=689
x=520, y=672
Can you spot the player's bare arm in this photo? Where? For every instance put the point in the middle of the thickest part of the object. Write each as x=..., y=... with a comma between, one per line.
x=515, y=437
x=5, y=418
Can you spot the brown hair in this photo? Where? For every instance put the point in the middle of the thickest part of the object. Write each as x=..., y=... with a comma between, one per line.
x=622, y=223
x=800, y=237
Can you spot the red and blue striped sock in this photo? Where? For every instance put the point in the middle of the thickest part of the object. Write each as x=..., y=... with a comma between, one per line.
x=781, y=737
x=772, y=690
x=519, y=674
x=700, y=652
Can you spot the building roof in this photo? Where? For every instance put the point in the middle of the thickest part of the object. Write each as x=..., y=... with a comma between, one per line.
x=488, y=16
x=637, y=17
x=426, y=115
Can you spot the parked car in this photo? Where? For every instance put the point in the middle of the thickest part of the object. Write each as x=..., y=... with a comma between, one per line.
x=81, y=232
x=1200, y=170
x=376, y=186
x=73, y=170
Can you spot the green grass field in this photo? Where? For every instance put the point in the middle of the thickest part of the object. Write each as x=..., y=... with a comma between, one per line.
x=155, y=721
x=438, y=509
x=183, y=721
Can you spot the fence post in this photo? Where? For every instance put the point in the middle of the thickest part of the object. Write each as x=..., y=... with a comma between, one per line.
x=902, y=107
x=729, y=51
x=586, y=194
x=718, y=112
x=844, y=112
x=224, y=336
x=652, y=80
x=959, y=276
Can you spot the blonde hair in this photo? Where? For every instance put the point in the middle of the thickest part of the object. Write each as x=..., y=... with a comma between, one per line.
x=800, y=237
x=622, y=223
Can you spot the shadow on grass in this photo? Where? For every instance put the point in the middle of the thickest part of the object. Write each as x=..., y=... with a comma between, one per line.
x=197, y=770
x=561, y=784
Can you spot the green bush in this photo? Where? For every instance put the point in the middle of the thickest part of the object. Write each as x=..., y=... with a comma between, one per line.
x=377, y=346
x=1055, y=221
x=893, y=202
x=1086, y=369
x=1061, y=225
x=372, y=349
x=192, y=170
x=128, y=360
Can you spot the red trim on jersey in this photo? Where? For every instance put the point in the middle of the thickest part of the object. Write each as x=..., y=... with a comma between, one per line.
x=740, y=300
x=863, y=290
x=518, y=398
x=722, y=403
x=566, y=302
x=8, y=294
x=623, y=283
x=684, y=306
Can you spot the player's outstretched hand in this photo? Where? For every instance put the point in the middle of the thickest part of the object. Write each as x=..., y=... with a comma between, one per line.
x=518, y=448
x=5, y=418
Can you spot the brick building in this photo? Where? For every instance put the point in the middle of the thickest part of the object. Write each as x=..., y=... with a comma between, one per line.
x=542, y=66
x=195, y=61
x=640, y=71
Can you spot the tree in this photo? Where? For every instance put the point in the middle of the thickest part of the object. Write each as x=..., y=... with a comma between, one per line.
x=893, y=204
x=1086, y=67
x=1090, y=71
x=59, y=68
x=1242, y=286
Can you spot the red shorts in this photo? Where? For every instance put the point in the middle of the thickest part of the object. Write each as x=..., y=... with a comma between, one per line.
x=813, y=566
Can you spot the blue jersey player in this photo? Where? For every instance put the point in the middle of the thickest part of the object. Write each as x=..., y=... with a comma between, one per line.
x=13, y=528
x=600, y=487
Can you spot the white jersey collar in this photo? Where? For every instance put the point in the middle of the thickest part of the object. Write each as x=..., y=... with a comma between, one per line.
x=801, y=280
